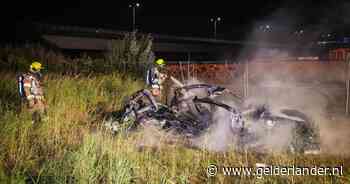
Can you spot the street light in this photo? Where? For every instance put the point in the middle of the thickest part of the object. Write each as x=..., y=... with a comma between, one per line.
x=215, y=21
x=134, y=6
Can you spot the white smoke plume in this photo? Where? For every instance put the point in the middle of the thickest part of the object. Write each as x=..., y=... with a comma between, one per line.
x=219, y=136
x=297, y=28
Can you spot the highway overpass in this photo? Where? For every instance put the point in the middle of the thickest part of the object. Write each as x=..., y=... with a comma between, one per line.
x=74, y=38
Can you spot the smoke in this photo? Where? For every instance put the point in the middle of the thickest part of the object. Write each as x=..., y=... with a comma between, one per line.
x=153, y=136
x=278, y=95
x=335, y=135
x=273, y=53
x=277, y=140
x=219, y=136
x=292, y=31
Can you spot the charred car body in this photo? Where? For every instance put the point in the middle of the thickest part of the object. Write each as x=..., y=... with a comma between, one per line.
x=191, y=116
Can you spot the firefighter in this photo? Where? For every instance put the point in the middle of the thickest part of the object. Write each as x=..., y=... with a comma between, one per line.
x=31, y=91
x=155, y=78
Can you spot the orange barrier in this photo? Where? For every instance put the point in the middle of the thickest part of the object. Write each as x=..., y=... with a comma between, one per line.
x=303, y=71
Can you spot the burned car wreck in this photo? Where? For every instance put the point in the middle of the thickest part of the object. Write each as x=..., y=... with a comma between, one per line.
x=255, y=128
x=284, y=129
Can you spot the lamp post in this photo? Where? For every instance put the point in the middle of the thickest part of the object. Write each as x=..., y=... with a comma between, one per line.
x=134, y=6
x=215, y=20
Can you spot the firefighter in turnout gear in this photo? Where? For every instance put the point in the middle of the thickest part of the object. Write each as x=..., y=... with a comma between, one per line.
x=31, y=92
x=155, y=78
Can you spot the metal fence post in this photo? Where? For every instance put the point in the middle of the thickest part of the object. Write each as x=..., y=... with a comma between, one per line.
x=246, y=79
x=188, y=70
x=347, y=97
x=182, y=74
x=347, y=84
x=188, y=65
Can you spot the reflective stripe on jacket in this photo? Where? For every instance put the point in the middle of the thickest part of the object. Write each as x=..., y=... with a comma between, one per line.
x=32, y=86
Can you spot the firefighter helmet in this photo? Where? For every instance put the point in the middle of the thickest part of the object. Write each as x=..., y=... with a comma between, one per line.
x=36, y=66
x=160, y=62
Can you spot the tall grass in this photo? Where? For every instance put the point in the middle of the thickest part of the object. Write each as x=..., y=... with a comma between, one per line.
x=73, y=147
x=71, y=102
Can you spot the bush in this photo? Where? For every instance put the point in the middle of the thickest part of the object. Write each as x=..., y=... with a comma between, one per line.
x=131, y=55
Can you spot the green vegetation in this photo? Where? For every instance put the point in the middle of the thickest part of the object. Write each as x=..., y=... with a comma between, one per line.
x=73, y=147
x=130, y=55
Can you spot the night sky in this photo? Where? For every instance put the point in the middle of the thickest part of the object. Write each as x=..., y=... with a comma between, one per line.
x=187, y=18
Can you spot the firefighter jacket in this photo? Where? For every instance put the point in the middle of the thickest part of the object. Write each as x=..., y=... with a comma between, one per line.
x=32, y=86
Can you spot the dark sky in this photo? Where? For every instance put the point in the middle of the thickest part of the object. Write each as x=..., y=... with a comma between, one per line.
x=167, y=17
